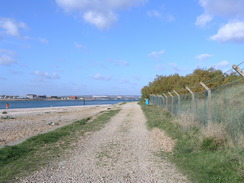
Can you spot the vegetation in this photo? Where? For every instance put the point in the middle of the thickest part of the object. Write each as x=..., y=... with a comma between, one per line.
x=164, y=84
x=19, y=160
x=203, y=158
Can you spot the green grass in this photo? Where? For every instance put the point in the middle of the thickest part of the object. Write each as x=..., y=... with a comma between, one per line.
x=20, y=160
x=203, y=161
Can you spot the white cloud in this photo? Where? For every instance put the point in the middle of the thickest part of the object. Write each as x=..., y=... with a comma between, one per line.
x=226, y=8
x=176, y=67
x=159, y=15
x=80, y=47
x=231, y=32
x=45, y=75
x=170, y=18
x=7, y=57
x=101, y=13
x=11, y=27
x=230, y=9
x=222, y=64
x=203, y=56
x=98, y=76
x=156, y=54
x=119, y=62
x=202, y=20
x=101, y=20
x=43, y=40
x=154, y=13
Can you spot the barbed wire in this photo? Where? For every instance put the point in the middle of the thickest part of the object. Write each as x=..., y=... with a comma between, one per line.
x=208, y=81
x=240, y=63
x=219, y=76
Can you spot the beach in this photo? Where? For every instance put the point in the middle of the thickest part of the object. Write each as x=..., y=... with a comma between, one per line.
x=18, y=124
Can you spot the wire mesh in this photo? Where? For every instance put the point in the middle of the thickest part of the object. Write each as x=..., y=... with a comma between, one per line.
x=223, y=104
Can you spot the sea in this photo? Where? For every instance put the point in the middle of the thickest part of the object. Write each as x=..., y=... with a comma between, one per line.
x=15, y=104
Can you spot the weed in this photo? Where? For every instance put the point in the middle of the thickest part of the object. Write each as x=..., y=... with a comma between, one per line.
x=204, y=158
x=210, y=144
x=7, y=117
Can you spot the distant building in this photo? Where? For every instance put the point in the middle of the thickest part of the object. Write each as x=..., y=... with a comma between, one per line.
x=118, y=98
x=9, y=97
x=100, y=97
x=2, y=96
x=73, y=97
x=42, y=96
x=31, y=96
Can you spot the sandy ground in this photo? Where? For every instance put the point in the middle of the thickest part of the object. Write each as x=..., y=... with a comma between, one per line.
x=124, y=151
x=18, y=124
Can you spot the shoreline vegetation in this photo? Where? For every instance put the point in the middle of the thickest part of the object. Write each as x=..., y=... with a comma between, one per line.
x=36, y=152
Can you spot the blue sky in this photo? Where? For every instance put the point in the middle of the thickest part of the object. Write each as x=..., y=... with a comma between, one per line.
x=108, y=47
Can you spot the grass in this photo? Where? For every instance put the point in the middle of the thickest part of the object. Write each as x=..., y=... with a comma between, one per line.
x=20, y=160
x=202, y=159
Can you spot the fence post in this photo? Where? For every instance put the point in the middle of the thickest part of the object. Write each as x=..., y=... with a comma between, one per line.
x=172, y=102
x=159, y=100
x=162, y=100
x=154, y=101
x=238, y=70
x=151, y=98
x=166, y=100
x=178, y=99
x=193, y=101
x=209, y=102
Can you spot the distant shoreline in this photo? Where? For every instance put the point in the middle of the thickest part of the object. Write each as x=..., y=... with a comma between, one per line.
x=39, y=99
x=43, y=99
x=62, y=99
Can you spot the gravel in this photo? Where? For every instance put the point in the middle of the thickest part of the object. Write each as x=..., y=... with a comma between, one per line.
x=19, y=124
x=123, y=151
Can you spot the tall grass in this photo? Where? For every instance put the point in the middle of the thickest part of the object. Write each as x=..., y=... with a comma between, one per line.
x=226, y=110
x=201, y=157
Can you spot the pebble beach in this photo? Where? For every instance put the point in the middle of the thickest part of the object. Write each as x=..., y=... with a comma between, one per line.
x=16, y=125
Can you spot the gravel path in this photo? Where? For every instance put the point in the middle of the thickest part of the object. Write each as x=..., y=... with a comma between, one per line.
x=123, y=151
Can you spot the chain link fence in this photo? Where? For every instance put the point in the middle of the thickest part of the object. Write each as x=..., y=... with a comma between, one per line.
x=222, y=105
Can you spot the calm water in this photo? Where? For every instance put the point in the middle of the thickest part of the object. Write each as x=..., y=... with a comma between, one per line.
x=56, y=103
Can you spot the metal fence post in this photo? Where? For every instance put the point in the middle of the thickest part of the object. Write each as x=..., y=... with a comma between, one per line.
x=151, y=98
x=209, y=102
x=178, y=99
x=166, y=100
x=172, y=102
x=159, y=100
x=193, y=101
x=238, y=70
x=162, y=98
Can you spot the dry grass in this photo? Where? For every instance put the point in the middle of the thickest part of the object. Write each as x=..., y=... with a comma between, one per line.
x=216, y=131
x=187, y=121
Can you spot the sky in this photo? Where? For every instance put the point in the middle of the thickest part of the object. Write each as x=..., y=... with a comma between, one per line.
x=113, y=47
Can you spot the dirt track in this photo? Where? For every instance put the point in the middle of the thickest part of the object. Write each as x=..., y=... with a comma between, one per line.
x=123, y=151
